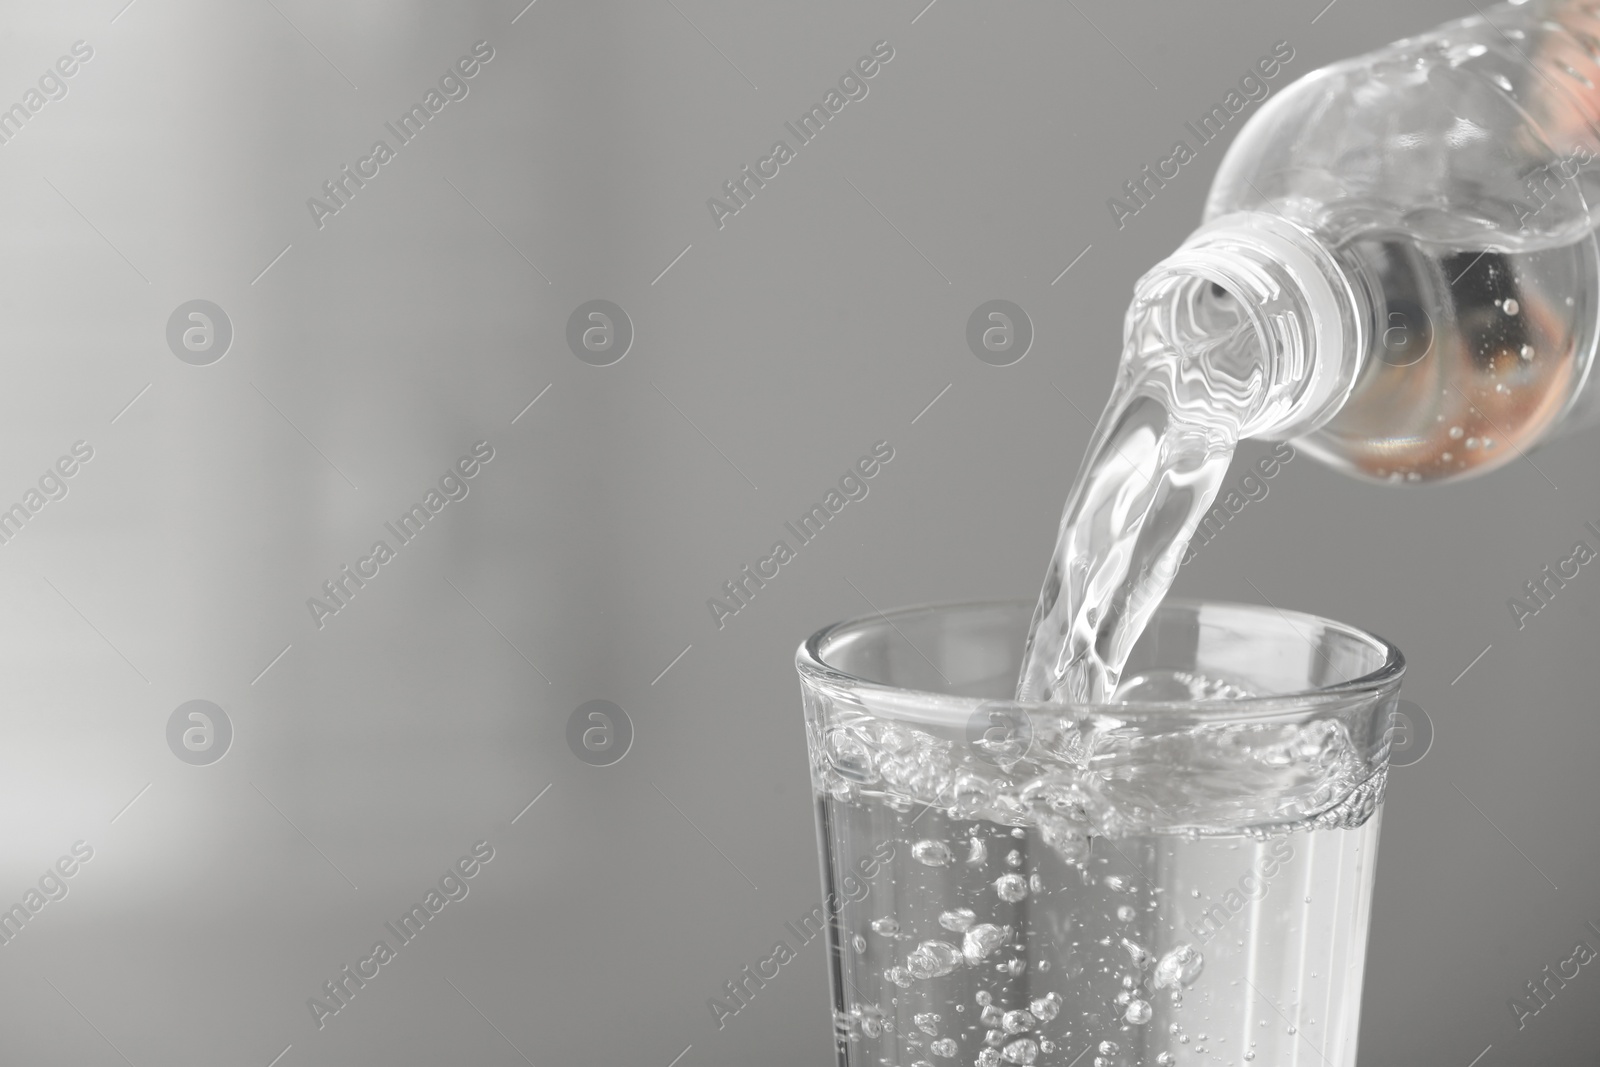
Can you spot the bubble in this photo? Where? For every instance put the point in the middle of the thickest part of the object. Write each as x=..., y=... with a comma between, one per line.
x=982, y=940
x=1035, y=883
x=1292, y=1029
x=1018, y=832
x=1141, y=956
x=1510, y=306
x=1456, y=433
x=1166, y=1059
x=977, y=852
x=886, y=927
x=1249, y=1054
x=1014, y=1022
x=927, y=1022
x=899, y=976
x=1126, y=914
x=987, y=1058
x=1109, y=1048
x=984, y=998
x=1139, y=1012
x=1011, y=887
x=1181, y=966
x=1472, y=442
x=1046, y=1007
x=991, y=1015
x=1015, y=966
x=1526, y=351
x=1013, y=858
x=932, y=853
x=1024, y=1051
x=957, y=920
x=945, y=1048
x=933, y=959
x=1116, y=882
x=859, y=943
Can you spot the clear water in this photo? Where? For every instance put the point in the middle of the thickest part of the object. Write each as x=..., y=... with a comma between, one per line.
x=1190, y=373
x=1102, y=901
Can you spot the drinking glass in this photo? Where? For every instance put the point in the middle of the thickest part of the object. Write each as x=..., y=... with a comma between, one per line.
x=1179, y=877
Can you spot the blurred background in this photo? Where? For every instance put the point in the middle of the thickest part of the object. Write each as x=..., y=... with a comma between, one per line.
x=350, y=354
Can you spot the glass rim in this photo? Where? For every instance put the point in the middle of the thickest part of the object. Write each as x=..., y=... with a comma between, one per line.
x=814, y=669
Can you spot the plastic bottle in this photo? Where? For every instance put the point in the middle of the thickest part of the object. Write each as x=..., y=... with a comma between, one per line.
x=1411, y=235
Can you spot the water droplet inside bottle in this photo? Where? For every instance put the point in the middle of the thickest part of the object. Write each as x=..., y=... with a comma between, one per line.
x=1510, y=305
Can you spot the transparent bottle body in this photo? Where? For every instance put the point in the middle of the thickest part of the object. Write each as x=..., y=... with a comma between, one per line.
x=1455, y=176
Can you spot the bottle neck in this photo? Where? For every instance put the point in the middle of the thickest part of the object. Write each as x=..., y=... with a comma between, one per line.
x=1310, y=317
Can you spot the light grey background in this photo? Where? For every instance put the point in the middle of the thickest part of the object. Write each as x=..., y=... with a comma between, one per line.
x=825, y=316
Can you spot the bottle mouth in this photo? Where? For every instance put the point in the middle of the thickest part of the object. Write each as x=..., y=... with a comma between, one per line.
x=1300, y=303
